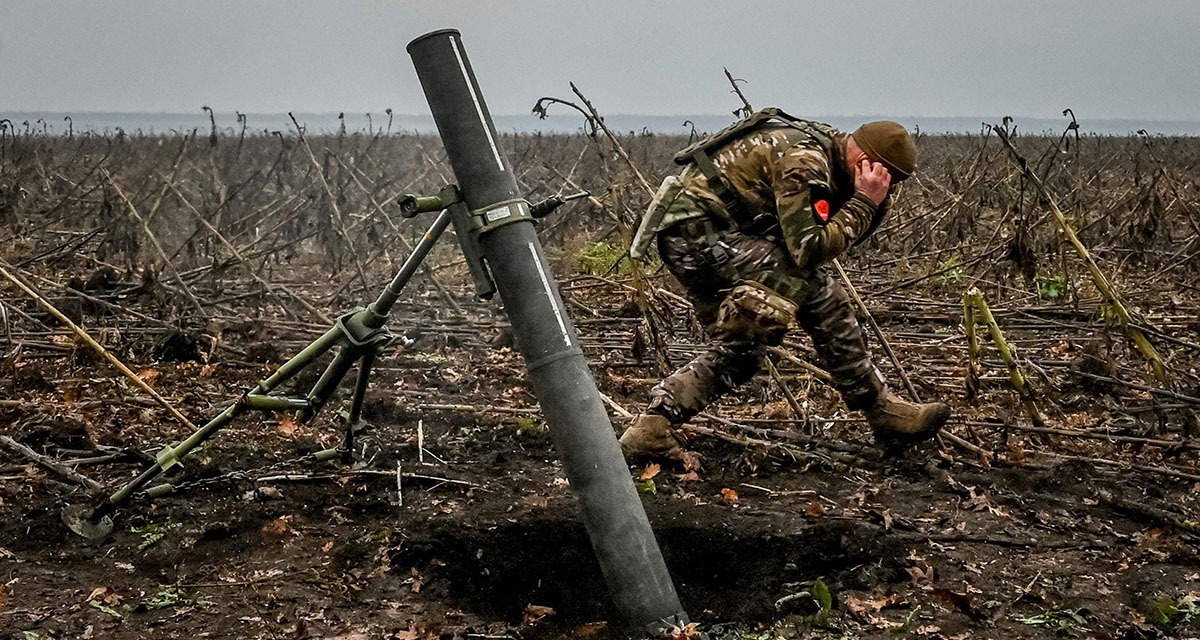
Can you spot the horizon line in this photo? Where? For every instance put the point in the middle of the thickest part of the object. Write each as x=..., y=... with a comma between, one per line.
x=394, y=114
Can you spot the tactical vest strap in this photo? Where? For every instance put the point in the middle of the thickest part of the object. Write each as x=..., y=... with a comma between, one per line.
x=702, y=237
x=734, y=206
x=820, y=131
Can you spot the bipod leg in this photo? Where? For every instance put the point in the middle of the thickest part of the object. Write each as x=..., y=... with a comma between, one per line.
x=384, y=303
x=307, y=356
x=95, y=521
x=361, y=335
x=354, y=421
x=327, y=384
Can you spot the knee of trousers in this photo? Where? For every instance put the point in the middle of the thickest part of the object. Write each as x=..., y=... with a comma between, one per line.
x=697, y=384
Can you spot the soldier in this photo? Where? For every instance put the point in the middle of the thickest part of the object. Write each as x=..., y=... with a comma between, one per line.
x=747, y=228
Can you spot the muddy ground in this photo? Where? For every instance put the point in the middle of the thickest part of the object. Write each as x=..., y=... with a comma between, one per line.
x=795, y=526
x=481, y=539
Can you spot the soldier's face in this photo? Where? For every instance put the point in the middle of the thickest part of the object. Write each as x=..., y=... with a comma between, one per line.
x=854, y=156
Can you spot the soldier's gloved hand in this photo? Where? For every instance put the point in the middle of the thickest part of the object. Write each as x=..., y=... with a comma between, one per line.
x=872, y=180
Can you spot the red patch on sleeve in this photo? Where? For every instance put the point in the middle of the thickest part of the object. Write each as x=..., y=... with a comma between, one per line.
x=822, y=209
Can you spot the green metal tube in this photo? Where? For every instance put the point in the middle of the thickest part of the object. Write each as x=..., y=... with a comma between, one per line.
x=274, y=403
x=290, y=368
x=173, y=454
x=327, y=383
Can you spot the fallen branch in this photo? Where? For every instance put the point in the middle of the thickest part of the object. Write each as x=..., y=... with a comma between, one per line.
x=50, y=464
x=840, y=462
x=797, y=411
x=475, y=408
x=304, y=477
x=883, y=342
x=1147, y=512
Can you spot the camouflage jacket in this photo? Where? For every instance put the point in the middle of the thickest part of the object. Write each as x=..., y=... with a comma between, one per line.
x=782, y=171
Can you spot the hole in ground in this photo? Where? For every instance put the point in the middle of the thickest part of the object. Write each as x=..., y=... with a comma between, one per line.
x=721, y=574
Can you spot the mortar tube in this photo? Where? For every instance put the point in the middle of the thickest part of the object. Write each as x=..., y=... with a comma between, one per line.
x=611, y=509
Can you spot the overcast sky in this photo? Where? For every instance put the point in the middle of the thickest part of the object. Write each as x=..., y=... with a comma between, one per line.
x=1103, y=58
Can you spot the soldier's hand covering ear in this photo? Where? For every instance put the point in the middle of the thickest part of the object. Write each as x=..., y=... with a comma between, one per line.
x=873, y=180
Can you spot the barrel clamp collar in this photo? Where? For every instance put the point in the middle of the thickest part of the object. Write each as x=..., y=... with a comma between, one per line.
x=499, y=214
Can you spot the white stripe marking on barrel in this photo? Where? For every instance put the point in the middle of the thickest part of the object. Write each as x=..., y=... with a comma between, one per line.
x=562, y=325
x=475, y=98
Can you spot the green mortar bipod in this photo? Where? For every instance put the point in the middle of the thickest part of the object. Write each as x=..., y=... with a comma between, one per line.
x=359, y=336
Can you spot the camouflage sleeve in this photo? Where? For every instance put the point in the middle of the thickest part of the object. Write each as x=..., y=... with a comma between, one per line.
x=877, y=218
x=813, y=234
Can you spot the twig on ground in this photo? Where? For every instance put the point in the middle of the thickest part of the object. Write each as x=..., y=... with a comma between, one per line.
x=49, y=464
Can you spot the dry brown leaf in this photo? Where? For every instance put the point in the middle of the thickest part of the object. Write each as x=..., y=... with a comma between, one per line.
x=814, y=509
x=269, y=493
x=983, y=502
x=962, y=602
x=149, y=376
x=863, y=609
x=690, y=476
x=207, y=370
x=534, y=613
x=589, y=630
x=921, y=576
x=650, y=471
x=416, y=632
x=857, y=608
x=691, y=461
x=690, y=631
x=287, y=425
x=536, y=501
x=277, y=528
x=729, y=495
x=894, y=600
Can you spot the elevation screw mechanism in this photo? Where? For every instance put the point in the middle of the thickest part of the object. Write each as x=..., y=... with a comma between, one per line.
x=547, y=206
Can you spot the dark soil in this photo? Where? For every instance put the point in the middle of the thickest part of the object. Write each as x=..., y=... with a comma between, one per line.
x=917, y=546
x=1084, y=529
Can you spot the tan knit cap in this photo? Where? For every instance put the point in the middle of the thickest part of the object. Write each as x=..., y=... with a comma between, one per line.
x=889, y=144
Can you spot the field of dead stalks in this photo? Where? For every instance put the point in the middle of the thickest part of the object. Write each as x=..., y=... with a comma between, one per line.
x=1062, y=502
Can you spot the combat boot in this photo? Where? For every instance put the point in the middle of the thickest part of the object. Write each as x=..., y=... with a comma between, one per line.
x=894, y=419
x=651, y=436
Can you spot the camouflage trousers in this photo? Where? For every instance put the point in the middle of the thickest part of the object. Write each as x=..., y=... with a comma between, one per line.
x=825, y=313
